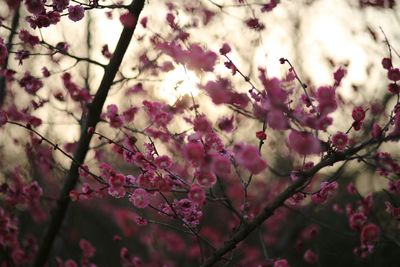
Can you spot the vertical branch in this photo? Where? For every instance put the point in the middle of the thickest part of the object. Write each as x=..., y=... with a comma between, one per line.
x=93, y=117
x=13, y=31
x=89, y=49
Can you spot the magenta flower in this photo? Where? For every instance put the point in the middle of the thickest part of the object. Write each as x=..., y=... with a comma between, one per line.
x=340, y=141
x=304, y=143
x=197, y=194
x=76, y=13
x=140, y=198
x=370, y=233
x=249, y=157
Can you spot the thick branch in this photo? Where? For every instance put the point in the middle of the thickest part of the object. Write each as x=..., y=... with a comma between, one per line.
x=93, y=118
x=269, y=210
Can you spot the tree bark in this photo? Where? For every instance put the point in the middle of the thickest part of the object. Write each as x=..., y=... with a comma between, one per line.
x=93, y=117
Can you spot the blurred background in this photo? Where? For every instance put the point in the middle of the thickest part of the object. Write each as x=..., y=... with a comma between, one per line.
x=317, y=36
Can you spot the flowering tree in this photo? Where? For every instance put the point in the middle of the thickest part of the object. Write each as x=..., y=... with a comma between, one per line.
x=133, y=179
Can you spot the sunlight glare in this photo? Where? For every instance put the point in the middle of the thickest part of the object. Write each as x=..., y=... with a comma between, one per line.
x=178, y=83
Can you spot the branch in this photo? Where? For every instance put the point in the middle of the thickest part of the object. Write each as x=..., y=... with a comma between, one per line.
x=93, y=117
x=13, y=31
x=269, y=210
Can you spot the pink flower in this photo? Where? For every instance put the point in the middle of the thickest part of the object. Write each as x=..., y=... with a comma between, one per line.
x=197, y=194
x=376, y=131
x=387, y=63
x=225, y=49
x=281, y=263
x=369, y=234
x=358, y=114
x=394, y=74
x=277, y=120
x=310, y=257
x=219, y=90
x=30, y=83
x=35, y=7
x=394, y=88
x=60, y=5
x=221, y=165
x=199, y=59
x=28, y=38
x=255, y=24
x=140, y=198
x=326, y=190
x=33, y=191
x=205, y=178
x=261, y=135
x=226, y=124
x=393, y=211
x=326, y=97
x=87, y=248
x=194, y=151
x=304, y=143
x=202, y=124
x=195, y=57
x=163, y=162
x=116, y=121
x=340, y=141
x=249, y=157
x=339, y=75
x=357, y=220
x=143, y=22
x=116, y=185
x=128, y=20
x=158, y=112
x=70, y=263
x=270, y=6
x=76, y=13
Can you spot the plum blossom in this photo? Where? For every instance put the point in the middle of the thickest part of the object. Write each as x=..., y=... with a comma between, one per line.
x=358, y=114
x=357, y=220
x=220, y=165
x=87, y=248
x=128, y=20
x=116, y=120
x=76, y=13
x=394, y=74
x=281, y=263
x=225, y=49
x=194, y=152
x=35, y=7
x=195, y=57
x=369, y=233
x=116, y=185
x=310, y=257
x=163, y=162
x=326, y=97
x=326, y=190
x=28, y=38
x=339, y=75
x=140, y=198
x=249, y=157
x=387, y=63
x=197, y=194
x=60, y=5
x=304, y=143
x=31, y=84
x=340, y=141
x=205, y=178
